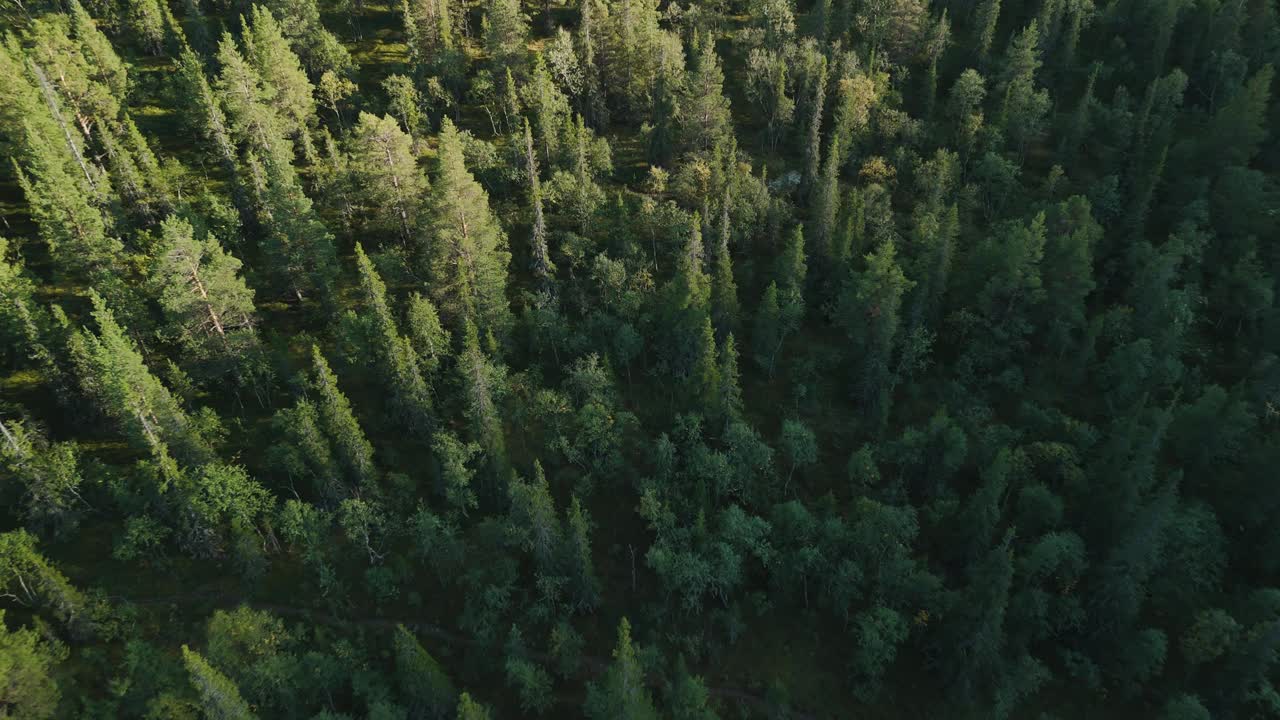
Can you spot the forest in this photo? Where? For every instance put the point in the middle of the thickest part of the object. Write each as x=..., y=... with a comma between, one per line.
x=638, y=359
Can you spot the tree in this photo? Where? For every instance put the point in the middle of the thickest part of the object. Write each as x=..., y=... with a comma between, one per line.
x=469, y=709
x=28, y=662
x=704, y=376
x=340, y=424
x=986, y=16
x=539, y=255
x=426, y=334
x=299, y=245
x=219, y=697
x=534, y=520
x=208, y=306
x=800, y=446
x=465, y=254
x=621, y=693
x=724, y=289
x=870, y=308
x=1024, y=106
x=483, y=382
x=583, y=585
x=288, y=91
x=398, y=362
x=505, y=34
x=423, y=683
x=114, y=375
x=386, y=177
x=48, y=473
x=729, y=394
x=704, y=110
x=454, y=456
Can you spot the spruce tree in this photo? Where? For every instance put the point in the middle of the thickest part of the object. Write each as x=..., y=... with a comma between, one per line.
x=724, y=289
x=339, y=423
x=539, y=256
x=219, y=697
x=621, y=693
x=396, y=359
x=114, y=375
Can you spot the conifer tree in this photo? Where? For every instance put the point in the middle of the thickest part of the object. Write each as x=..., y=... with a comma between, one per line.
x=219, y=697
x=289, y=91
x=505, y=34
x=205, y=112
x=534, y=519
x=469, y=709
x=114, y=375
x=209, y=308
x=871, y=311
x=427, y=335
x=539, y=256
x=584, y=587
x=1024, y=106
x=48, y=473
x=704, y=377
x=386, y=176
x=724, y=289
x=482, y=382
x=397, y=361
x=339, y=423
x=423, y=682
x=729, y=394
x=247, y=99
x=704, y=110
x=986, y=16
x=299, y=245
x=465, y=254
x=61, y=204
x=621, y=693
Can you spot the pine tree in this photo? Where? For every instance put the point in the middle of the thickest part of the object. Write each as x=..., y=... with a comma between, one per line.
x=28, y=662
x=247, y=99
x=339, y=423
x=48, y=473
x=219, y=697
x=469, y=709
x=813, y=148
x=505, y=34
x=621, y=693
x=454, y=457
x=289, y=91
x=207, y=304
x=206, y=116
x=935, y=239
x=385, y=175
x=397, y=361
x=61, y=203
x=466, y=253
x=548, y=106
x=1024, y=107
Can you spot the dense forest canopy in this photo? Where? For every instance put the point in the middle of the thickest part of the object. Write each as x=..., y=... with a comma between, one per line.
x=639, y=359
